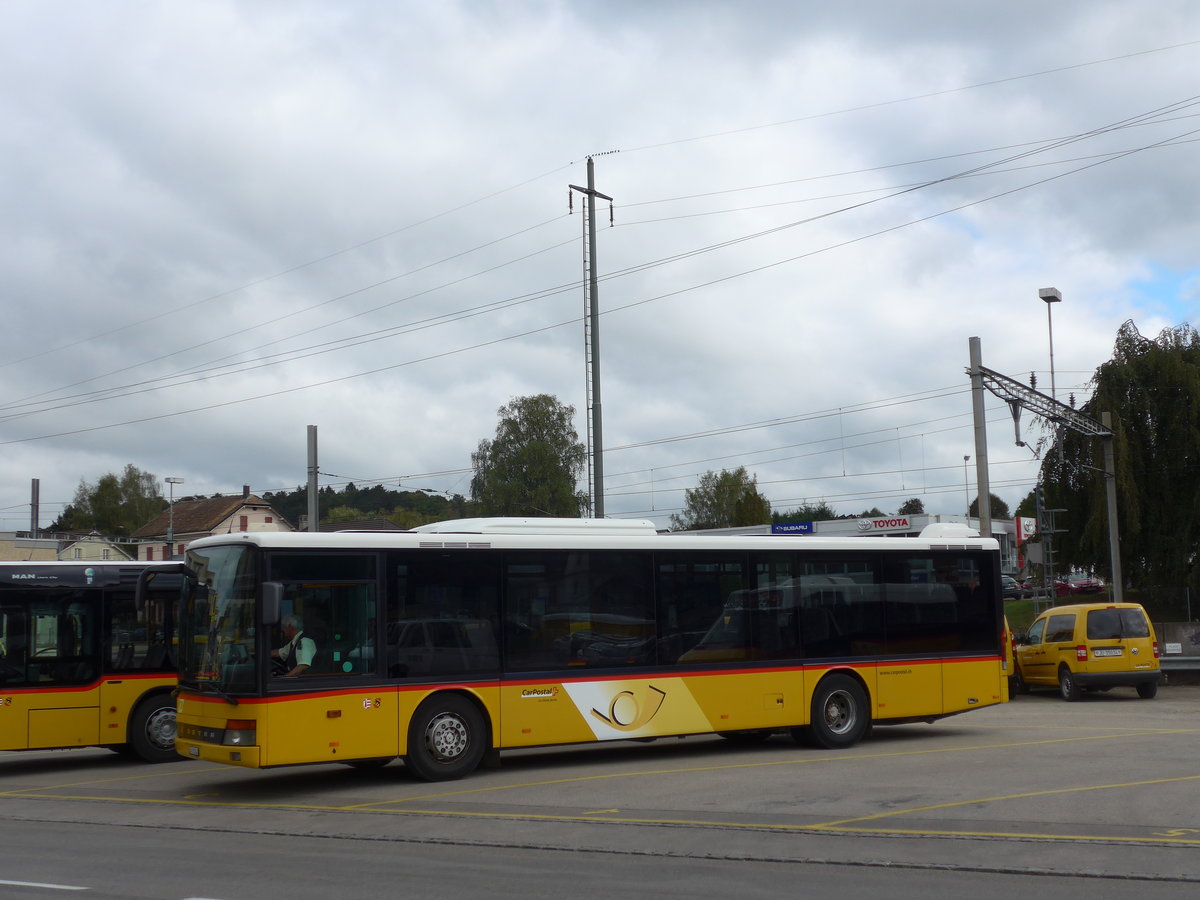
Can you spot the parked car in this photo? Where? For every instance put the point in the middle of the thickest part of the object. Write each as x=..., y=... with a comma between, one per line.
x=1078, y=584
x=1089, y=646
x=1034, y=588
x=1011, y=589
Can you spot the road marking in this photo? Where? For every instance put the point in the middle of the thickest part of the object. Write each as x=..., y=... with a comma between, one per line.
x=44, y=885
x=70, y=784
x=854, y=825
x=1047, y=793
x=805, y=761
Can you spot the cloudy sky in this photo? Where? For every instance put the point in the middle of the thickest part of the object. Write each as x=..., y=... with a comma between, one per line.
x=226, y=221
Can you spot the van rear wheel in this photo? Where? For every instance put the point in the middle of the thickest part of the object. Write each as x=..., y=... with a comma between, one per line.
x=1147, y=690
x=1067, y=685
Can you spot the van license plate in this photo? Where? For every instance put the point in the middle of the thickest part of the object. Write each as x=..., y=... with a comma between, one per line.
x=1108, y=651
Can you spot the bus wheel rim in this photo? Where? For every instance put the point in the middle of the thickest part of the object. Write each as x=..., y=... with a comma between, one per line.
x=839, y=712
x=160, y=729
x=447, y=737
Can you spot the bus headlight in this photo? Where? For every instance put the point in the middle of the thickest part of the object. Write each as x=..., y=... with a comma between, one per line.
x=239, y=732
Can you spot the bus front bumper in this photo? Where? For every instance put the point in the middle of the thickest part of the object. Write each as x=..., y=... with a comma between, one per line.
x=228, y=746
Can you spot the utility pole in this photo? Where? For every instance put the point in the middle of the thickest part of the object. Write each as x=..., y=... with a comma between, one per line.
x=981, y=453
x=1110, y=494
x=314, y=512
x=1018, y=396
x=592, y=345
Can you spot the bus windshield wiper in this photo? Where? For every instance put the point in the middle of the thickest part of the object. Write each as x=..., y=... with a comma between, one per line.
x=225, y=695
x=211, y=687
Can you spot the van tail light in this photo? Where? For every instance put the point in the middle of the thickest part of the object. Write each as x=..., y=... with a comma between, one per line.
x=1156, y=649
x=1081, y=653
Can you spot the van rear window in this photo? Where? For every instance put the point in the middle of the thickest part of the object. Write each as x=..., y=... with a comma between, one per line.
x=1107, y=624
x=1060, y=629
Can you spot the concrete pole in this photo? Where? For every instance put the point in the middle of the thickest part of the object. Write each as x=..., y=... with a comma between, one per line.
x=1110, y=485
x=981, y=458
x=593, y=329
x=594, y=317
x=314, y=513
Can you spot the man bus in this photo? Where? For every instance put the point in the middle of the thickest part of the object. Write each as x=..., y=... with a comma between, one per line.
x=460, y=639
x=81, y=665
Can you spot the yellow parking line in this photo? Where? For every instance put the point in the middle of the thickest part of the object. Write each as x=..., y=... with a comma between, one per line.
x=73, y=784
x=159, y=801
x=839, y=824
x=856, y=824
x=813, y=760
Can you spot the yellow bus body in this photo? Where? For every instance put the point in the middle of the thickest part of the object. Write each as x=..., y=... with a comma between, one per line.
x=92, y=715
x=344, y=726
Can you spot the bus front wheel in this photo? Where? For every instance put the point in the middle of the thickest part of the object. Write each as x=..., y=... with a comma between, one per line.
x=446, y=739
x=152, y=730
x=839, y=714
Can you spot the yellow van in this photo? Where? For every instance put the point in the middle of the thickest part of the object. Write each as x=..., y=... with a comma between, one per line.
x=1088, y=647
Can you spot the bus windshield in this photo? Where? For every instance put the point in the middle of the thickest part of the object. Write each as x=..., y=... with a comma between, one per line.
x=217, y=641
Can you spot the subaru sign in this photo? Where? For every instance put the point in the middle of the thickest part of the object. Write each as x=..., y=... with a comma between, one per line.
x=793, y=528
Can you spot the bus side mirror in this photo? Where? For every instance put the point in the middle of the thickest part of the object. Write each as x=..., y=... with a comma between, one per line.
x=272, y=602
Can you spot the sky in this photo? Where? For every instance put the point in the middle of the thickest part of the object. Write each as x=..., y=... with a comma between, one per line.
x=224, y=222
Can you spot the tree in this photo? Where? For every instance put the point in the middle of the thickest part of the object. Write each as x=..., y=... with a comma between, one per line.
x=406, y=509
x=999, y=508
x=911, y=507
x=723, y=500
x=114, y=505
x=808, y=512
x=1027, y=508
x=532, y=466
x=873, y=513
x=1152, y=390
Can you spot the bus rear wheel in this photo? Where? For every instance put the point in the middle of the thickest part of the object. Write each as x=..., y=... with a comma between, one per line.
x=446, y=738
x=839, y=715
x=152, y=730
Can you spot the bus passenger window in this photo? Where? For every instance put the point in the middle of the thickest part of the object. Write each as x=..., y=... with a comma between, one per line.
x=13, y=646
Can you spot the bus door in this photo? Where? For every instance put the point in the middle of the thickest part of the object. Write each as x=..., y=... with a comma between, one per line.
x=336, y=708
x=14, y=651
x=62, y=667
x=138, y=641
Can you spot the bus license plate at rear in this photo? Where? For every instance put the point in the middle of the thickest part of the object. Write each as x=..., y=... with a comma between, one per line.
x=1108, y=651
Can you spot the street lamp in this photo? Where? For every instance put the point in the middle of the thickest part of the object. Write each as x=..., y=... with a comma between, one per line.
x=171, y=481
x=1051, y=296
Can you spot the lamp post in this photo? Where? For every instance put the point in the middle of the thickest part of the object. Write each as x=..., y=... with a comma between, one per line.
x=1051, y=296
x=171, y=482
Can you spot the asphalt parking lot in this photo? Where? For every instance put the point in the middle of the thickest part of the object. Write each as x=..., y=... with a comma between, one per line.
x=1105, y=788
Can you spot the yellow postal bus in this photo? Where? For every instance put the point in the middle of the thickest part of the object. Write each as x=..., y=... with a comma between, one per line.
x=81, y=664
x=452, y=642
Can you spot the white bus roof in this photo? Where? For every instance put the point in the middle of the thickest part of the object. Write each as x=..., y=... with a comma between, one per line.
x=580, y=534
x=512, y=525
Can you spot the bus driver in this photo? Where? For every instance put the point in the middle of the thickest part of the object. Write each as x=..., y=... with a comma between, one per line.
x=297, y=654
